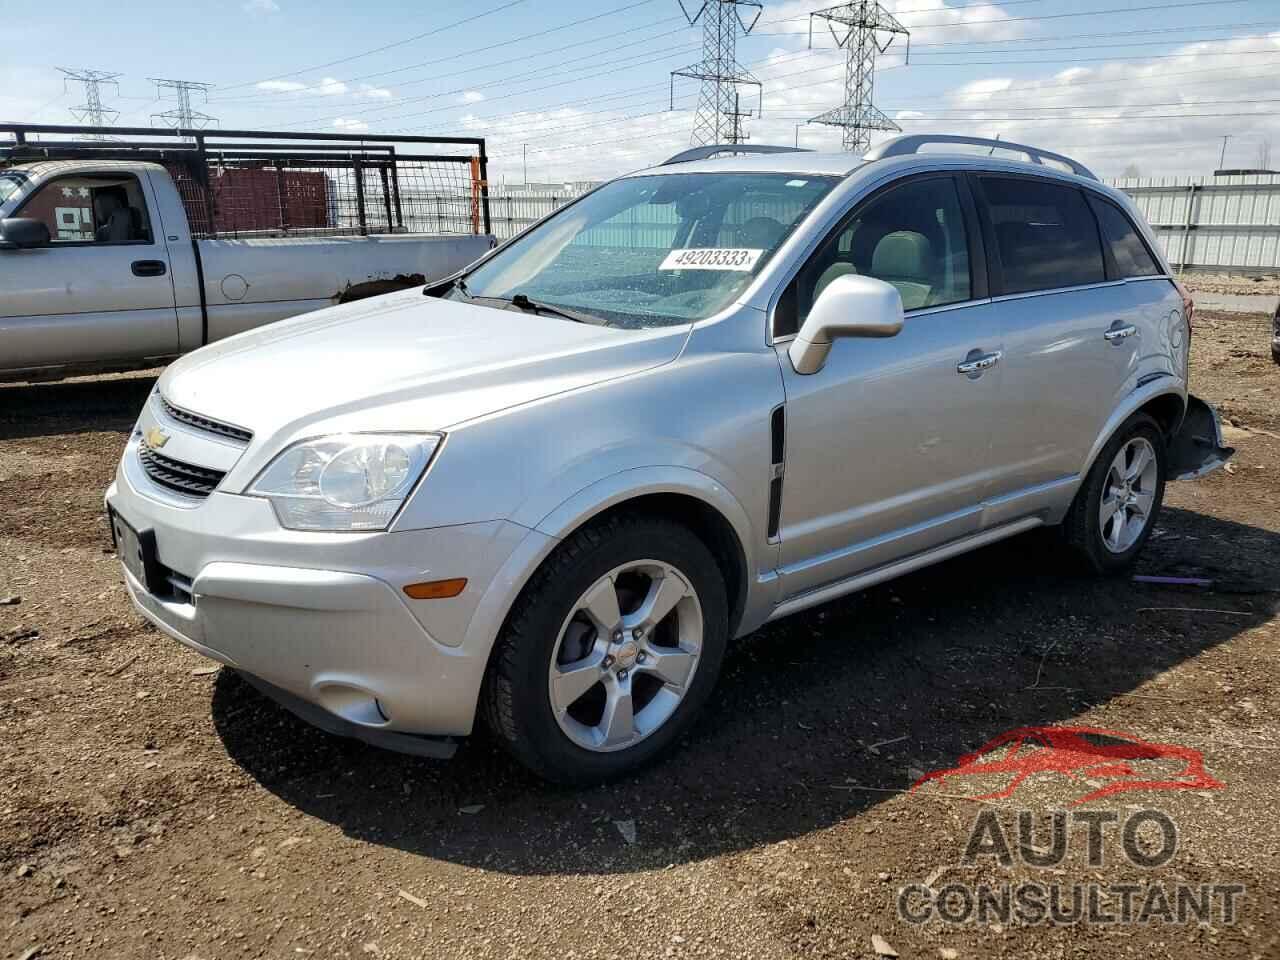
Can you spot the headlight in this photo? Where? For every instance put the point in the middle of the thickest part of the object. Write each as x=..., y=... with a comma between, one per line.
x=350, y=482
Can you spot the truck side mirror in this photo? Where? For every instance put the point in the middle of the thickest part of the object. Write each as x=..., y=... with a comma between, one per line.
x=18, y=233
x=849, y=306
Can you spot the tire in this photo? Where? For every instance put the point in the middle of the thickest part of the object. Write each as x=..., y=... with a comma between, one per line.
x=552, y=632
x=1105, y=546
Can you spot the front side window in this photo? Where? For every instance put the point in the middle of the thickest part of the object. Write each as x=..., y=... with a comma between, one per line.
x=650, y=251
x=912, y=237
x=90, y=209
x=1131, y=255
x=1045, y=234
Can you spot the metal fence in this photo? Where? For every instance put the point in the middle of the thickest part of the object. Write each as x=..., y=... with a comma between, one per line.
x=512, y=209
x=1226, y=224
x=250, y=183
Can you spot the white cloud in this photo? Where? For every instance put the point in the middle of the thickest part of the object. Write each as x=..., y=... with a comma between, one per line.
x=281, y=86
x=375, y=93
x=350, y=125
x=261, y=6
x=1103, y=116
x=330, y=87
x=472, y=96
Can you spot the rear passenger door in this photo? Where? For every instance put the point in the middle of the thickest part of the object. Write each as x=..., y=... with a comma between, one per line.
x=1065, y=368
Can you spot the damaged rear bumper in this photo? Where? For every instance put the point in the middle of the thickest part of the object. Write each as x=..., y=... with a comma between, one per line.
x=1197, y=448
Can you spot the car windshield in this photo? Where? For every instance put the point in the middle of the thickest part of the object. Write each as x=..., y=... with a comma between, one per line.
x=650, y=251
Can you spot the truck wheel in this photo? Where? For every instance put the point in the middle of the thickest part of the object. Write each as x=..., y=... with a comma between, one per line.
x=1117, y=505
x=610, y=651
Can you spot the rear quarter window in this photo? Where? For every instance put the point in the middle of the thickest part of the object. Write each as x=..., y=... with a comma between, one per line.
x=1045, y=234
x=1130, y=253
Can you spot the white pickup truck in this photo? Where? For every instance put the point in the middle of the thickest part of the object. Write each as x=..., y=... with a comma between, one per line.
x=102, y=268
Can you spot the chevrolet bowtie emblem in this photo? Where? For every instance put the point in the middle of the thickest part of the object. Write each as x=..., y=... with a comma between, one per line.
x=156, y=438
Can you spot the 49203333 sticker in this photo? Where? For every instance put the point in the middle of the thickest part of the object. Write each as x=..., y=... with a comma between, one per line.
x=711, y=258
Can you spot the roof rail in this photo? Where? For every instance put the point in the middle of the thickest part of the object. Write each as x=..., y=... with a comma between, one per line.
x=715, y=149
x=912, y=142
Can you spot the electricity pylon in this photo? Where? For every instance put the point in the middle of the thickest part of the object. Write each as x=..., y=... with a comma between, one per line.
x=719, y=70
x=183, y=116
x=864, y=21
x=92, y=113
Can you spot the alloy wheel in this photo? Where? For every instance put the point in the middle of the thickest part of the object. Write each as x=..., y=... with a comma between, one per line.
x=1128, y=494
x=625, y=656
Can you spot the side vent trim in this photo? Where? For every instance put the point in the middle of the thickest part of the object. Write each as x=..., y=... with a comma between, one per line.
x=778, y=448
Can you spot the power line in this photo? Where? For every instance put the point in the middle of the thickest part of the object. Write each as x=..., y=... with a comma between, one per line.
x=493, y=46
x=385, y=47
x=555, y=70
x=1108, y=33
x=1048, y=16
x=397, y=101
x=1066, y=88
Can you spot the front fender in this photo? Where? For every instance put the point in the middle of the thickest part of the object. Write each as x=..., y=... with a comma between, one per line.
x=589, y=502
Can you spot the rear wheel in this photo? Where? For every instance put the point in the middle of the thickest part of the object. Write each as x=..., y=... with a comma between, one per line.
x=610, y=651
x=1116, y=507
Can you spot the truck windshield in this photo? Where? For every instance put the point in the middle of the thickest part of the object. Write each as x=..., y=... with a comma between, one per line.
x=650, y=251
x=10, y=183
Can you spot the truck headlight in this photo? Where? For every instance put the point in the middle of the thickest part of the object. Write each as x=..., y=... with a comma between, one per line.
x=349, y=482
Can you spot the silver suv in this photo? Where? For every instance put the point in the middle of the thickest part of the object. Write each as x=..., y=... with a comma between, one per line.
x=551, y=490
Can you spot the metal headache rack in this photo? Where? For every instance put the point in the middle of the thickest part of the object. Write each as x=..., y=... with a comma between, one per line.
x=255, y=183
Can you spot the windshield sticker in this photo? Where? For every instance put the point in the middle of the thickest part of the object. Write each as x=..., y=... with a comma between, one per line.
x=796, y=183
x=711, y=258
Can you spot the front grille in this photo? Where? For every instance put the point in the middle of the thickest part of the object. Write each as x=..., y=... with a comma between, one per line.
x=185, y=478
x=204, y=423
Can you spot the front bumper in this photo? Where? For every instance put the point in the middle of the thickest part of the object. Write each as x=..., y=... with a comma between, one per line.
x=323, y=617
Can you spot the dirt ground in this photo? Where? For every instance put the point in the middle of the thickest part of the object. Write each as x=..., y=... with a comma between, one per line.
x=1232, y=283
x=153, y=807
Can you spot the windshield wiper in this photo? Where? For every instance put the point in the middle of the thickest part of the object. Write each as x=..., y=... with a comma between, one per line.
x=533, y=306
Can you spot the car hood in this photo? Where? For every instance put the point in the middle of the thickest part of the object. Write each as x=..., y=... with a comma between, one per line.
x=403, y=362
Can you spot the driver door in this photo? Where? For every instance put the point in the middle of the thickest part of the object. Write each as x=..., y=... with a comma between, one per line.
x=887, y=446
x=100, y=290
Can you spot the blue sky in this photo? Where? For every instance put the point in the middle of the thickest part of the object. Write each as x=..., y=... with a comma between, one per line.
x=1117, y=83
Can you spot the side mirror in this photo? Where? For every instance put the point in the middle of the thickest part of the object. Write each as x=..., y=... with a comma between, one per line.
x=849, y=306
x=21, y=233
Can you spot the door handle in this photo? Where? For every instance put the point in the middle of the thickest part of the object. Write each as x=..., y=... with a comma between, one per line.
x=1116, y=334
x=978, y=364
x=148, y=268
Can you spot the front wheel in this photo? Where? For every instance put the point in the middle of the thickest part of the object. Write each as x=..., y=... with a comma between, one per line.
x=610, y=650
x=1117, y=505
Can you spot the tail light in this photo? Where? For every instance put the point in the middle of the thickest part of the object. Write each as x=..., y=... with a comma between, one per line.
x=1188, y=305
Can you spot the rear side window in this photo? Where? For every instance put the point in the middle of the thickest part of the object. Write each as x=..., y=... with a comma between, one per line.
x=1131, y=255
x=1045, y=233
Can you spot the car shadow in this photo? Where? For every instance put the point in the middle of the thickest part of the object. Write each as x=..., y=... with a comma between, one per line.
x=73, y=406
x=869, y=690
